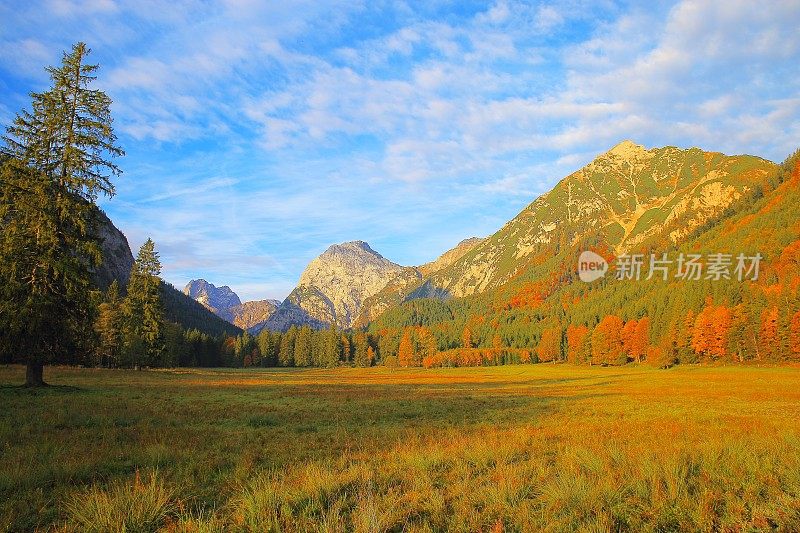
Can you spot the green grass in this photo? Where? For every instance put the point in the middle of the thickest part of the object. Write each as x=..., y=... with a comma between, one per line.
x=514, y=448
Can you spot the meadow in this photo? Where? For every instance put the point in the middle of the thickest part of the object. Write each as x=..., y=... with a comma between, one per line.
x=511, y=448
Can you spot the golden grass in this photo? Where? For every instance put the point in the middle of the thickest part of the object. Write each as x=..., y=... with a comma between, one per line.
x=515, y=448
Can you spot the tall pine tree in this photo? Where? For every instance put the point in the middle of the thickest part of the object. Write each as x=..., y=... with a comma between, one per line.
x=57, y=162
x=144, y=313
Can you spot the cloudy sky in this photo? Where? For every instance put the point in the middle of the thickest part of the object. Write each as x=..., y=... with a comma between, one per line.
x=258, y=133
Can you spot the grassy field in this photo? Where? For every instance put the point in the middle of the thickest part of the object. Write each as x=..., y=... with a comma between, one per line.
x=514, y=448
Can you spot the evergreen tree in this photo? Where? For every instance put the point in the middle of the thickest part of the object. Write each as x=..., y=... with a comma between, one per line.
x=303, y=348
x=268, y=344
x=331, y=348
x=361, y=356
x=57, y=162
x=286, y=351
x=144, y=314
x=109, y=327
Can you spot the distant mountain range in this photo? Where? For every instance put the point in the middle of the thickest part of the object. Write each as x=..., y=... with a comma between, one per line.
x=225, y=303
x=628, y=198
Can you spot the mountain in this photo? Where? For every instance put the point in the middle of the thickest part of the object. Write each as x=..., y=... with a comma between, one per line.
x=408, y=280
x=517, y=296
x=250, y=315
x=179, y=308
x=334, y=286
x=629, y=197
x=215, y=299
x=117, y=256
x=225, y=303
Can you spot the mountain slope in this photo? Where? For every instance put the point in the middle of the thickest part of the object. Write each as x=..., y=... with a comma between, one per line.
x=409, y=280
x=334, y=286
x=213, y=298
x=759, y=213
x=250, y=315
x=627, y=197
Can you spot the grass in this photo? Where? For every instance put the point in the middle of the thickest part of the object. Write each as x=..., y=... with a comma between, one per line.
x=514, y=448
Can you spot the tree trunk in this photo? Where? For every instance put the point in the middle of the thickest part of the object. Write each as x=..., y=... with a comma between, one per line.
x=34, y=374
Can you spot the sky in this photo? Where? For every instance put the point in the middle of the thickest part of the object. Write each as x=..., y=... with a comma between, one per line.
x=259, y=133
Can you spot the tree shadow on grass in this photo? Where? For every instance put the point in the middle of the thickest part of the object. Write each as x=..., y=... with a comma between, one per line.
x=48, y=390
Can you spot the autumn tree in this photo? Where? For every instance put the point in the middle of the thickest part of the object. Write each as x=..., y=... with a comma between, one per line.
x=426, y=344
x=627, y=335
x=549, y=348
x=466, y=338
x=57, y=160
x=607, y=341
x=576, y=341
x=405, y=354
x=711, y=328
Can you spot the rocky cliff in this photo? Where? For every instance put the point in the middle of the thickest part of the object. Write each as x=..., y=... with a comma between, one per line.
x=334, y=286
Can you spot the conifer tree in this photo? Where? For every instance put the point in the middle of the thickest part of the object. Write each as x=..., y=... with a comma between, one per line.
x=57, y=161
x=110, y=327
x=286, y=350
x=302, y=347
x=361, y=347
x=331, y=348
x=144, y=313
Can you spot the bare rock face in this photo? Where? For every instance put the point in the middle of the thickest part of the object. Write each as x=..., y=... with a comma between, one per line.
x=117, y=256
x=215, y=299
x=225, y=303
x=410, y=283
x=334, y=286
x=250, y=315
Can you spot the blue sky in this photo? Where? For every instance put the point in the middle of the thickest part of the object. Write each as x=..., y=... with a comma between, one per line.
x=259, y=133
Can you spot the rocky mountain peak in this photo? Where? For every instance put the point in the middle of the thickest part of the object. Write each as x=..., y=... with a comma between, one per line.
x=334, y=286
x=214, y=298
x=627, y=148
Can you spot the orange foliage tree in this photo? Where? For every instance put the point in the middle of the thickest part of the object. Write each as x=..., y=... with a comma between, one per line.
x=794, y=337
x=711, y=329
x=769, y=335
x=467, y=338
x=405, y=354
x=607, y=341
x=576, y=335
x=549, y=348
x=627, y=335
